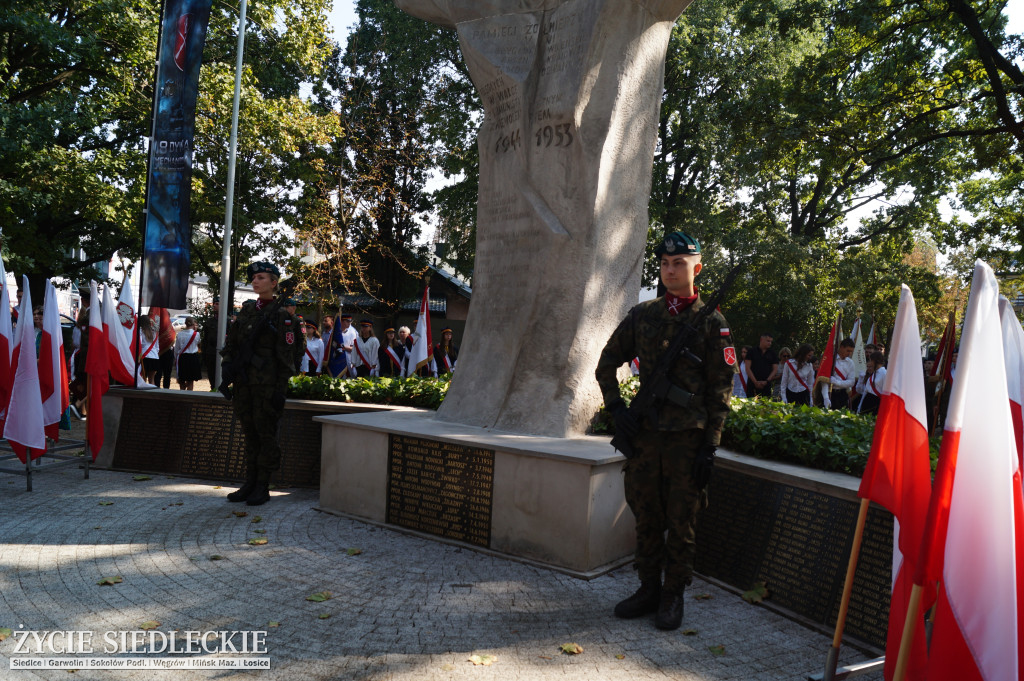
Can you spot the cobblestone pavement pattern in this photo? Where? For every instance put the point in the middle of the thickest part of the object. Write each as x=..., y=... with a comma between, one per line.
x=403, y=608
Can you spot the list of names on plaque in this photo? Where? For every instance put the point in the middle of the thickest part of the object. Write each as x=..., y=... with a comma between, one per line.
x=441, y=488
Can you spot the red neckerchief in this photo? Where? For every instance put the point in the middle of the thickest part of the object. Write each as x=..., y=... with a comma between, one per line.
x=677, y=304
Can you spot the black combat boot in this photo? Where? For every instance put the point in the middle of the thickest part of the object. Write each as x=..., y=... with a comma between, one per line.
x=243, y=492
x=670, y=610
x=259, y=496
x=643, y=602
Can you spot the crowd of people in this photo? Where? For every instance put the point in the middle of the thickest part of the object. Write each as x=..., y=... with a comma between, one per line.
x=792, y=377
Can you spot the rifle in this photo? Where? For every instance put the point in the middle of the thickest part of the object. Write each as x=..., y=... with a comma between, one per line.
x=237, y=371
x=658, y=388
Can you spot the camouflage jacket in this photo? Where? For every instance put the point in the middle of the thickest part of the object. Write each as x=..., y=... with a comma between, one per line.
x=645, y=333
x=277, y=345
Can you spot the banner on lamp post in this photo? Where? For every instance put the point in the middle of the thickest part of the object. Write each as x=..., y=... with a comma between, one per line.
x=168, y=230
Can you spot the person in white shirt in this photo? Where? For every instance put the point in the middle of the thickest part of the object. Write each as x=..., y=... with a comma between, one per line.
x=186, y=355
x=844, y=375
x=149, y=348
x=365, y=348
x=798, y=376
x=311, y=359
x=870, y=383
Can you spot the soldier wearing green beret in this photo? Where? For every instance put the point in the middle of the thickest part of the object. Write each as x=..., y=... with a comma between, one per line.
x=674, y=448
x=263, y=349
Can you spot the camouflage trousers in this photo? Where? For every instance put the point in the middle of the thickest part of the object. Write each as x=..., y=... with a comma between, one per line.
x=258, y=409
x=661, y=493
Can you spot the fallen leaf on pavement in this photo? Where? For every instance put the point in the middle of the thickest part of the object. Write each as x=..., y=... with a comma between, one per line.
x=485, y=660
x=717, y=650
x=107, y=581
x=271, y=624
x=689, y=632
x=571, y=648
x=141, y=478
x=758, y=593
x=106, y=503
x=216, y=556
x=5, y=632
x=239, y=514
x=702, y=597
x=149, y=624
x=319, y=596
x=258, y=541
x=620, y=656
x=325, y=615
x=354, y=552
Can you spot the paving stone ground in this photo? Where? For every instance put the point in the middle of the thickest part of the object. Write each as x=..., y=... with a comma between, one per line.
x=404, y=608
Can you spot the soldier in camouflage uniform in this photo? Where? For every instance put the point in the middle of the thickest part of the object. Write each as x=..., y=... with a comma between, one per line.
x=263, y=348
x=674, y=449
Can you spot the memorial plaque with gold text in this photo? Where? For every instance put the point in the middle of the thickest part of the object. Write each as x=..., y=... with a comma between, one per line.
x=441, y=488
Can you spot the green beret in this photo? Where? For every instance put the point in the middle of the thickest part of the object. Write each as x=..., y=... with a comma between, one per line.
x=289, y=301
x=678, y=243
x=262, y=266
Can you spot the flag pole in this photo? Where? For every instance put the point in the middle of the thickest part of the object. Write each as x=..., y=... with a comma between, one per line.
x=832, y=661
x=227, y=276
x=908, y=632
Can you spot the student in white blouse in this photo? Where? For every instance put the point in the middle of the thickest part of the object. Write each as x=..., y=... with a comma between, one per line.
x=798, y=376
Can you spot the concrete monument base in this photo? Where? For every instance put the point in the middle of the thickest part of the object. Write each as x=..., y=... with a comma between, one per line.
x=555, y=501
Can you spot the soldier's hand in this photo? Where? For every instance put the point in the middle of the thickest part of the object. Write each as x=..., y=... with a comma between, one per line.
x=625, y=423
x=225, y=390
x=227, y=373
x=703, y=463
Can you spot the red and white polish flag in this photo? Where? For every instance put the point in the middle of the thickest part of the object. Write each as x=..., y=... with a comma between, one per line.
x=119, y=352
x=6, y=343
x=96, y=366
x=53, y=371
x=974, y=532
x=23, y=427
x=1013, y=357
x=898, y=476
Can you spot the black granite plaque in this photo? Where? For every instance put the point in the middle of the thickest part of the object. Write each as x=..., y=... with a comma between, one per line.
x=441, y=488
x=798, y=543
x=200, y=437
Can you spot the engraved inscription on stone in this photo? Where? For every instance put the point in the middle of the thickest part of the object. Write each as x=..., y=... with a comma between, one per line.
x=208, y=448
x=797, y=542
x=441, y=488
x=804, y=551
x=202, y=438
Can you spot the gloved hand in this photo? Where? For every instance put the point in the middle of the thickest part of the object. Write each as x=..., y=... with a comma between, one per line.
x=227, y=373
x=625, y=424
x=702, y=465
x=225, y=390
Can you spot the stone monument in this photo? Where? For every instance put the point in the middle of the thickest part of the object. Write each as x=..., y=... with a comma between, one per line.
x=571, y=91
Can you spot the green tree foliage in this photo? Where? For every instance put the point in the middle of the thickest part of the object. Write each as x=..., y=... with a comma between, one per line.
x=75, y=107
x=817, y=141
x=401, y=98
x=75, y=101
x=285, y=47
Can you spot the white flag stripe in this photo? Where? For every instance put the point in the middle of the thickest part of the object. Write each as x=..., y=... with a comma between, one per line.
x=24, y=423
x=51, y=326
x=979, y=573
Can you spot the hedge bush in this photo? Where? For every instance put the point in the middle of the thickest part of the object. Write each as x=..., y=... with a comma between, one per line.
x=427, y=393
x=827, y=440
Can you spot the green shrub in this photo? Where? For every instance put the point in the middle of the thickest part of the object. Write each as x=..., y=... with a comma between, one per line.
x=427, y=393
x=829, y=440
